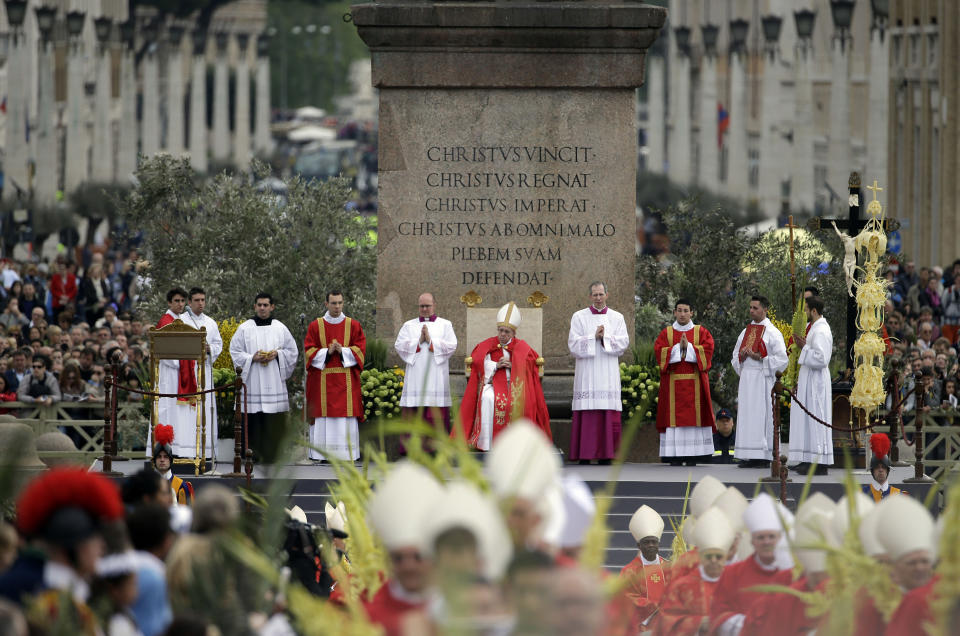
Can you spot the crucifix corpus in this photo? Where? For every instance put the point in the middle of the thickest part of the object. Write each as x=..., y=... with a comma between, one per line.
x=853, y=224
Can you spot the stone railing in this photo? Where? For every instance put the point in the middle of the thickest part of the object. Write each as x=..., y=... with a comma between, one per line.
x=83, y=419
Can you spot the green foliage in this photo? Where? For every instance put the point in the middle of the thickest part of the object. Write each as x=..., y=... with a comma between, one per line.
x=234, y=242
x=98, y=200
x=376, y=354
x=650, y=320
x=639, y=384
x=657, y=192
x=381, y=392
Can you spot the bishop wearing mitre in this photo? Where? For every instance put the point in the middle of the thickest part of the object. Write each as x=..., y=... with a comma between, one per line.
x=504, y=384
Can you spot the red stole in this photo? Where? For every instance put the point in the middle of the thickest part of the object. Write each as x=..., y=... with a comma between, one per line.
x=187, y=376
x=387, y=610
x=335, y=390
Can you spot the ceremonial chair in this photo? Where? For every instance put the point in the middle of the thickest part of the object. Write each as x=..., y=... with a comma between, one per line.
x=180, y=341
x=481, y=324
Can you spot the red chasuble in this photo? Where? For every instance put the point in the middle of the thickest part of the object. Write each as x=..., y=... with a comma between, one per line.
x=868, y=621
x=187, y=377
x=684, y=398
x=335, y=390
x=523, y=391
x=387, y=611
x=685, y=605
x=646, y=585
x=913, y=612
x=732, y=596
x=781, y=614
x=686, y=564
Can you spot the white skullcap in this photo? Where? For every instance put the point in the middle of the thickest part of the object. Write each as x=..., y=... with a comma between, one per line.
x=713, y=532
x=580, y=508
x=509, y=316
x=904, y=526
x=461, y=504
x=762, y=514
x=399, y=504
x=645, y=522
x=704, y=494
x=522, y=462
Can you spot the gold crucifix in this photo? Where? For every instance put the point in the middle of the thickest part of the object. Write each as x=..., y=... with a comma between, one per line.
x=874, y=188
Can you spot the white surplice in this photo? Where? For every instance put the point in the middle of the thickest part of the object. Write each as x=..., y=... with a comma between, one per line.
x=487, y=396
x=183, y=416
x=596, y=379
x=426, y=381
x=339, y=436
x=266, y=384
x=811, y=441
x=754, y=434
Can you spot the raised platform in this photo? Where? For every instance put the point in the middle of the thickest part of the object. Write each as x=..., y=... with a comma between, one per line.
x=659, y=486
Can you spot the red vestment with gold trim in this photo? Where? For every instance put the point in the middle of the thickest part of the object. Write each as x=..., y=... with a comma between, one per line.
x=684, y=398
x=685, y=605
x=646, y=585
x=335, y=390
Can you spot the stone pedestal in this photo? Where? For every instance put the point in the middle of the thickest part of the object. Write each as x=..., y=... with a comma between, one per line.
x=45, y=181
x=656, y=114
x=77, y=162
x=737, y=177
x=198, y=114
x=127, y=159
x=150, y=122
x=221, y=124
x=840, y=154
x=709, y=171
x=102, y=168
x=261, y=130
x=507, y=146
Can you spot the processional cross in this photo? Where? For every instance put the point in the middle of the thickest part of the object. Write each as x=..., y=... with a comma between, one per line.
x=853, y=224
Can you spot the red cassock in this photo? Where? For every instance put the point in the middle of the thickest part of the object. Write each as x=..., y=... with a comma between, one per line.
x=387, y=610
x=913, y=612
x=684, y=398
x=187, y=377
x=646, y=585
x=685, y=605
x=868, y=621
x=523, y=391
x=780, y=614
x=335, y=390
x=732, y=598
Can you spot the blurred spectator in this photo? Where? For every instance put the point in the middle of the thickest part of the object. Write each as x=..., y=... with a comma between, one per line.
x=950, y=393
x=931, y=297
x=913, y=294
x=63, y=286
x=12, y=316
x=19, y=368
x=40, y=387
x=152, y=538
x=6, y=395
x=29, y=298
x=95, y=293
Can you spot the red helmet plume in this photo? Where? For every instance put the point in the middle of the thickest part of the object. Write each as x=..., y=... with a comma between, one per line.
x=879, y=445
x=163, y=434
x=62, y=488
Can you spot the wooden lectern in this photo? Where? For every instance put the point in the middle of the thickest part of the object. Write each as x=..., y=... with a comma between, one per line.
x=179, y=341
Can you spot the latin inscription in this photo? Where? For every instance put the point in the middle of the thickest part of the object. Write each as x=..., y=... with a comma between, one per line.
x=506, y=212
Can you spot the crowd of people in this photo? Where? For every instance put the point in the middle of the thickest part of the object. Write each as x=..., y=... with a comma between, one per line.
x=514, y=550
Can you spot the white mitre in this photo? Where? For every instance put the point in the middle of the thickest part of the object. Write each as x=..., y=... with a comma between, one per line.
x=810, y=531
x=399, y=504
x=336, y=517
x=704, y=494
x=645, y=522
x=904, y=526
x=522, y=462
x=509, y=316
x=462, y=505
x=580, y=508
x=713, y=532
